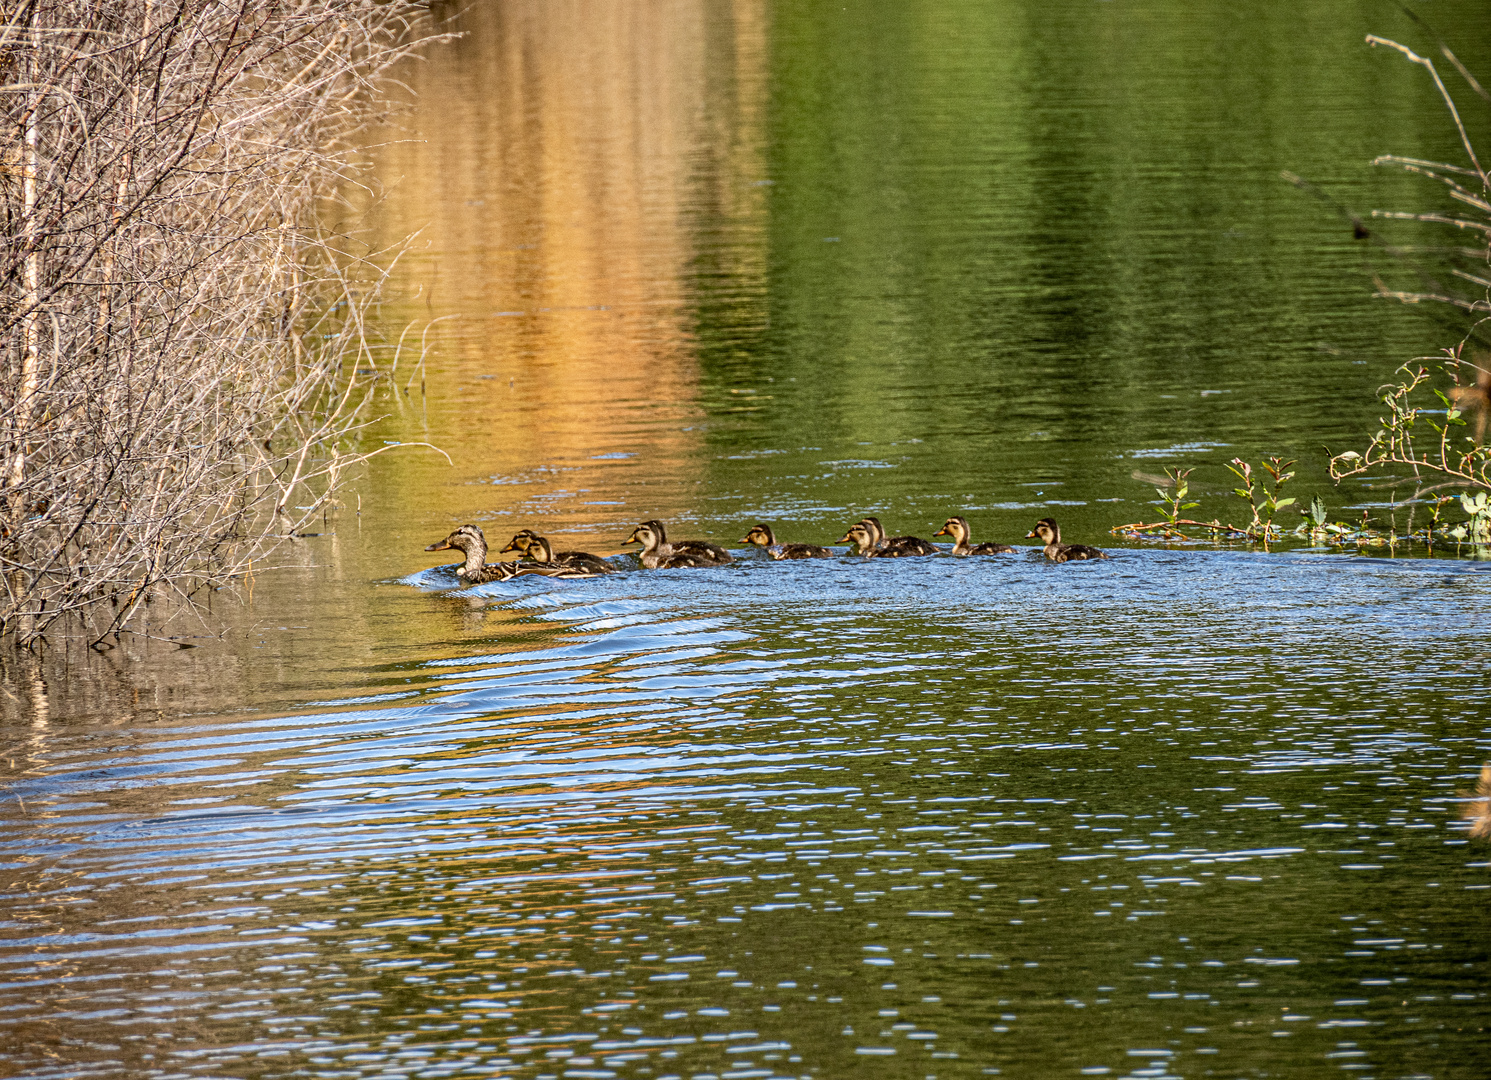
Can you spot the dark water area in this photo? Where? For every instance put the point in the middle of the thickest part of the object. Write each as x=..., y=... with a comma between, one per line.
x=1190, y=812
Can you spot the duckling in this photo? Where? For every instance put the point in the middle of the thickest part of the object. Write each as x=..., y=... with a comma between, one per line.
x=958, y=529
x=539, y=550
x=762, y=536
x=470, y=540
x=1056, y=551
x=893, y=547
x=582, y=564
x=863, y=537
x=863, y=540
x=658, y=554
x=898, y=545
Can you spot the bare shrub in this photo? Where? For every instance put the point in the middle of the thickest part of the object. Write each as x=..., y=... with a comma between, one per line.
x=185, y=345
x=1454, y=457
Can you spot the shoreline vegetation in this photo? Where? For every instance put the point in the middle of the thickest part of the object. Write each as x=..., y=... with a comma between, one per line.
x=1453, y=464
x=187, y=351
x=1449, y=469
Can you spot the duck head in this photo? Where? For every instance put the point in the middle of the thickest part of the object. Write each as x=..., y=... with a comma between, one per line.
x=520, y=541
x=860, y=537
x=1047, y=530
x=650, y=534
x=469, y=540
x=873, y=527
x=957, y=528
x=538, y=549
x=760, y=535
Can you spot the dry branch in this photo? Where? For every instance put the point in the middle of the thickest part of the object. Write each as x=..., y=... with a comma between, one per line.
x=181, y=338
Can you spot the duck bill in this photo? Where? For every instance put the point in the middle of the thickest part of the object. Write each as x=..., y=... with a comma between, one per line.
x=633, y=539
x=942, y=532
x=1032, y=535
x=844, y=539
x=441, y=546
x=512, y=547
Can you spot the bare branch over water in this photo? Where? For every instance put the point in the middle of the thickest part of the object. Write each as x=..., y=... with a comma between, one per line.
x=186, y=362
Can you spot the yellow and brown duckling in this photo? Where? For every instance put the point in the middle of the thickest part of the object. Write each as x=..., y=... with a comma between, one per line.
x=885, y=547
x=659, y=554
x=470, y=541
x=538, y=549
x=957, y=528
x=897, y=546
x=862, y=539
x=762, y=536
x=1047, y=530
x=869, y=540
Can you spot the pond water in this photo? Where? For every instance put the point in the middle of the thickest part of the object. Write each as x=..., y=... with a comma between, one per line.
x=1188, y=812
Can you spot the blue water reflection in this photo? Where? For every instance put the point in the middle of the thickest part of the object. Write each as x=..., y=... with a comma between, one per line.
x=1177, y=814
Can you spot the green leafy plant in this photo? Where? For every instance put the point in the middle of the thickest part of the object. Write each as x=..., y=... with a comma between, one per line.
x=1456, y=460
x=1261, y=488
x=1263, y=501
x=1478, y=529
x=1423, y=441
x=1315, y=513
x=1173, y=495
x=1316, y=524
x=1173, y=499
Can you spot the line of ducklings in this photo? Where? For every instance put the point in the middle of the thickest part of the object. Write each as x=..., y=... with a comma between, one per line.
x=537, y=557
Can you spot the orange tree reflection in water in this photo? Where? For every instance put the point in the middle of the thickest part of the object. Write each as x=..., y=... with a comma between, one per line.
x=560, y=159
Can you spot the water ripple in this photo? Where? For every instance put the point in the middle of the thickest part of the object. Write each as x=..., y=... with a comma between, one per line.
x=694, y=807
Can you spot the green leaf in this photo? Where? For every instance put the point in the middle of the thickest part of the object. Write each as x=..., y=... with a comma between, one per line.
x=1284, y=502
x=1190, y=506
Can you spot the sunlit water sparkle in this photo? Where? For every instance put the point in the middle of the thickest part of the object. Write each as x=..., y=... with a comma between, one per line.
x=769, y=819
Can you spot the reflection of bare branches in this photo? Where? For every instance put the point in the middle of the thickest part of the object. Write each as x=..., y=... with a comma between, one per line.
x=25, y=688
x=1478, y=810
x=186, y=362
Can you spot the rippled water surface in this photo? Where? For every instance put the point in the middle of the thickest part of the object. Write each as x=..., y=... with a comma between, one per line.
x=1184, y=813
x=1155, y=816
